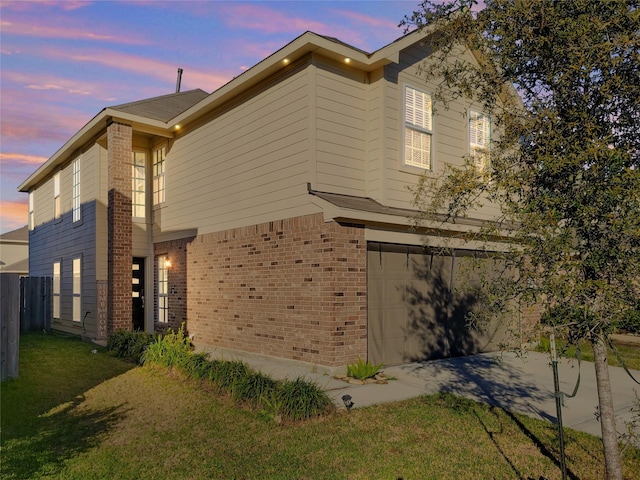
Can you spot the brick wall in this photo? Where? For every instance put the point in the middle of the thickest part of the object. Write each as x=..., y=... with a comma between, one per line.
x=176, y=252
x=119, y=230
x=294, y=288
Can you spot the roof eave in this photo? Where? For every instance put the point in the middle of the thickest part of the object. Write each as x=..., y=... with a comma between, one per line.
x=306, y=43
x=90, y=131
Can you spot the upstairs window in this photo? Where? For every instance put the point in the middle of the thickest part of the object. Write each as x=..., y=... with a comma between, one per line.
x=479, y=138
x=418, y=129
x=138, y=179
x=76, y=190
x=158, y=175
x=56, y=196
x=31, y=214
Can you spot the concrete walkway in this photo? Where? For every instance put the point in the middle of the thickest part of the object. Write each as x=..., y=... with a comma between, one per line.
x=516, y=384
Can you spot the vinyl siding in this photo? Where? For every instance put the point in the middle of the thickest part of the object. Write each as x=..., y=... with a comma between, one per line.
x=450, y=141
x=375, y=136
x=247, y=164
x=341, y=128
x=63, y=241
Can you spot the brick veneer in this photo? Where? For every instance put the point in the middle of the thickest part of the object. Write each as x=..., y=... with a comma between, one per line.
x=176, y=252
x=294, y=288
x=119, y=314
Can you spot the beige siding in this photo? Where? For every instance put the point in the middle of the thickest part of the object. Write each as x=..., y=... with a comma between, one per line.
x=247, y=163
x=341, y=129
x=375, y=135
x=450, y=132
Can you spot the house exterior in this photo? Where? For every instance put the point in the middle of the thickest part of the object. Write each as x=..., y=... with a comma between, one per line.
x=271, y=216
x=14, y=251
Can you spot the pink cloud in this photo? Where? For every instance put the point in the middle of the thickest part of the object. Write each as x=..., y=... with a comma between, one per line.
x=362, y=19
x=163, y=70
x=266, y=20
x=37, y=5
x=45, y=27
x=14, y=214
x=21, y=158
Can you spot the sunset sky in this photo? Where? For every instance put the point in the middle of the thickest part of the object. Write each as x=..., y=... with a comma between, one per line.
x=64, y=61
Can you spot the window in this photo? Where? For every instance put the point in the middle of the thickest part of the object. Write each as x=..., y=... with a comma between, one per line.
x=418, y=128
x=77, y=277
x=163, y=289
x=56, y=290
x=31, y=215
x=56, y=195
x=138, y=165
x=76, y=190
x=158, y=175
x=479, y=138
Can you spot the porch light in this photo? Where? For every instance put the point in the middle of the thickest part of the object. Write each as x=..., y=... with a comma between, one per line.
x=347, y=60
x=286, y=61
x=177, y=127
x=167, y=263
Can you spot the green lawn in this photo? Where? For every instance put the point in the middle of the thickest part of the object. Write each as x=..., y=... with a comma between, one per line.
x=77, y=415
x=629, y=353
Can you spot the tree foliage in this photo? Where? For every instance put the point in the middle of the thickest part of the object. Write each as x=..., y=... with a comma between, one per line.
x=565, y=156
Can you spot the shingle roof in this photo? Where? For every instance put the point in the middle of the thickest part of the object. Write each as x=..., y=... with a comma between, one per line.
x=165, y=107
x=21, y=233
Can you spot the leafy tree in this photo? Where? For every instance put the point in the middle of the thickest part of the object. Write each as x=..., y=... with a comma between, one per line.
x=564, y=162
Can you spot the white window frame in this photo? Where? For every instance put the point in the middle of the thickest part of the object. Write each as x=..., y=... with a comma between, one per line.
x=159, y=168
x=55, y=289
x=77, y=289
x=138, y=184
x=31, y=213
x=163, y=289
x=418, y=128
x=56, y=196
x=479, y=138
x=76, y=190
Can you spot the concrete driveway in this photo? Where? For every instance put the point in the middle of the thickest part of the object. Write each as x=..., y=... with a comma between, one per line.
x=523, y=385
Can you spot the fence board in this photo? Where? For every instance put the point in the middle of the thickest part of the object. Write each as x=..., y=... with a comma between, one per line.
x=9, y=324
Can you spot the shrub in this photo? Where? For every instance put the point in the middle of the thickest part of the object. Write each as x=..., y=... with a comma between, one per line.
x=630, y=321
x=129, y=345
x=197, y=365
x=170, y=350
x=301, y=399
x=228, y=374
x=362, y=370
x=255, y=388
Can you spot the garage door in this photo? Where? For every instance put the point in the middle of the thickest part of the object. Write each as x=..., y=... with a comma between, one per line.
x=418, y=301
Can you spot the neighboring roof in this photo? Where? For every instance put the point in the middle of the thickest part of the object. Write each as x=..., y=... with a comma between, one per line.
x=162, y=108
x=21, y=266
x=19, y=235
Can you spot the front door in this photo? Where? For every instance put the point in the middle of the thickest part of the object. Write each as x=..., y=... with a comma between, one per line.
x=137, y=293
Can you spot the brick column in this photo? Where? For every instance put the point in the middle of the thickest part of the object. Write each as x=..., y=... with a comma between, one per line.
x=120, y=227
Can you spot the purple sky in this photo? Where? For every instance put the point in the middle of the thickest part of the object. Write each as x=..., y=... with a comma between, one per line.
x=63, y=61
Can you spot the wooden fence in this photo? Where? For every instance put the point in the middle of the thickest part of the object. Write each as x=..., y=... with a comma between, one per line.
x=9, y=324
x=35, y=303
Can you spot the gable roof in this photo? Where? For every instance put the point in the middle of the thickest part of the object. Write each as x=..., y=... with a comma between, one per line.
x=18, y=235
x=162, y=108
x=162, y=115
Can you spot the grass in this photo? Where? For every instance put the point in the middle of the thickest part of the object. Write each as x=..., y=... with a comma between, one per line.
x=74, y=415
x=629, y=353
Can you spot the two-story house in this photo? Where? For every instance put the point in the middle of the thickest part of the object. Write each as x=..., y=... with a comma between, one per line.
x=272, y=215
